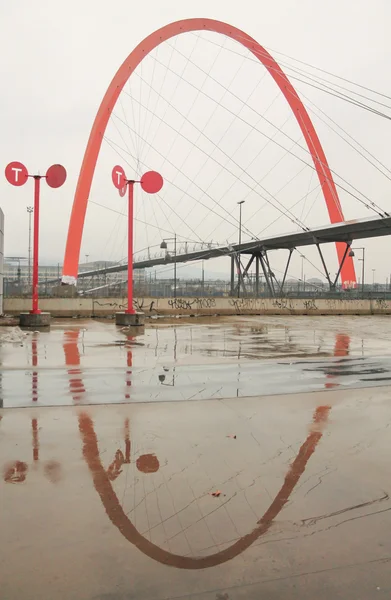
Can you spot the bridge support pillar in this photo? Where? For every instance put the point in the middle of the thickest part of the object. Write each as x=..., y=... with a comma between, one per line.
x=286, y=270
x=257, y=276
x=266, y=273
x=332, y=284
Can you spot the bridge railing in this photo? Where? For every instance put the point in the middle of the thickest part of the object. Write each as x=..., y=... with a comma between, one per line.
x=148, y=286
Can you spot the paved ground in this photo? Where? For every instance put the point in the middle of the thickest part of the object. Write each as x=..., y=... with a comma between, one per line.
x=192, y=359
x=107, y=492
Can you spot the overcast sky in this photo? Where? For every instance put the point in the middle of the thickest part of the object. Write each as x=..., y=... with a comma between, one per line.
x=59, y=57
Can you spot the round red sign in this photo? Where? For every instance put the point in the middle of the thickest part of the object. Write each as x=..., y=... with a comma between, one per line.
x=151, y=182
x=56, y=176
x=118, y=176
x=16, y=173
x=122, y=191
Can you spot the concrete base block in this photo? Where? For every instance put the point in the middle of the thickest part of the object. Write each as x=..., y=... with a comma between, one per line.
x=32, y=321
x=130, y=319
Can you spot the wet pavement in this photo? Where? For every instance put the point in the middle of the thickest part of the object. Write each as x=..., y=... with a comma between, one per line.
x=94, y=362
x=259, y=491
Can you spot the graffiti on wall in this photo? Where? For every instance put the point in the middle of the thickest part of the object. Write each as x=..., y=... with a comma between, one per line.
x=283, y=304
x=191, y=303
x=241, y=304
x=139, y=304
x=310, y=304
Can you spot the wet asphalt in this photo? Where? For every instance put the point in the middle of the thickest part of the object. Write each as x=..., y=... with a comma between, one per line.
x=118, y=483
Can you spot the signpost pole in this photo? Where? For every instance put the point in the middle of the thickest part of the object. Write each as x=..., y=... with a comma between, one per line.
x=151, y=182
x=130, y=310
x=17, y=175
x=37, y=184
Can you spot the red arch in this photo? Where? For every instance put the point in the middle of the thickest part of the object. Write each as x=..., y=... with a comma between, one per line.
x=75, y=231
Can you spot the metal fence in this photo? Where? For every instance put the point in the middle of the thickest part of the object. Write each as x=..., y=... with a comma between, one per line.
x=166, y=288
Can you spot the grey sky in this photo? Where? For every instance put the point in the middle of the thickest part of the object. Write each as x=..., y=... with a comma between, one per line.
x=59, y=57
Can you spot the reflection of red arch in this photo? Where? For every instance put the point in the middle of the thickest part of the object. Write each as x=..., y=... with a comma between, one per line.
x=119, y=518
x=341, y=348
x=72, y=359
x=75, y=231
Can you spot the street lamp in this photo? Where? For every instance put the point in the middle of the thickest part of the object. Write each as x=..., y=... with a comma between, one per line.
x=373, y=276
x=351, y=253
x=240, y=241
x=151, y=182
x=163, y=246
x=30, y=210
x=17, y=174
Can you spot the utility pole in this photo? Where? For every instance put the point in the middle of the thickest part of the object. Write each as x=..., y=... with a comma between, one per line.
x=240, y=241
x=175, y=266
x=351, y=253
x=302, y=270
x=163, y=246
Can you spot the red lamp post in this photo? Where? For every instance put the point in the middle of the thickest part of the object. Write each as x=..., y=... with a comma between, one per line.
x=151, y=182
x=17, y=175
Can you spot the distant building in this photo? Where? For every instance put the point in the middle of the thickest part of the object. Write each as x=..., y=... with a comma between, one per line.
x=316, y=283
x=18, y=275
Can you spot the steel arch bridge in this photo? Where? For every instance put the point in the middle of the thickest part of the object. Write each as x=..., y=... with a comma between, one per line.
x=330, y=194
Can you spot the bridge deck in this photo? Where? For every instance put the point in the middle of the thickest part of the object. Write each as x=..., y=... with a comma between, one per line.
x=346, y=231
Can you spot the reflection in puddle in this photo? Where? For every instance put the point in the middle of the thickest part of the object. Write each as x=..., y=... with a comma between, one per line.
x=124, y=380
x=102, y=480
x=72, y=360
x=140, y=477
x=34, y=356
x=149, y=464
x=341, y=348
x=34, y=427
x=17, y=471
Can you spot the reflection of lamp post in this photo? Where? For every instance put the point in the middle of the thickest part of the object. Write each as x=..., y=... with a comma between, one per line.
x=351, y=253
x=373, y=276
x=163, y=246
x=162, y=379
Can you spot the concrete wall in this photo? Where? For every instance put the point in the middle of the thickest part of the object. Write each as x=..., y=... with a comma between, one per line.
x=93, y=307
